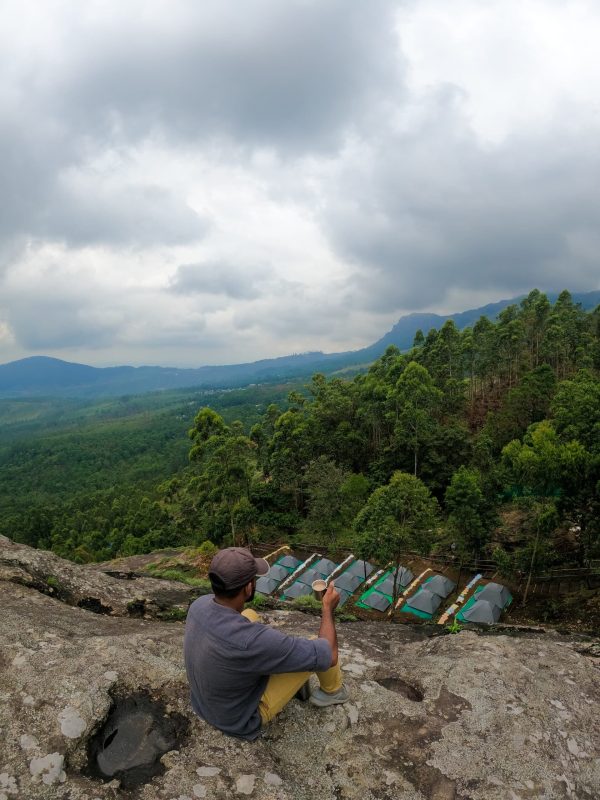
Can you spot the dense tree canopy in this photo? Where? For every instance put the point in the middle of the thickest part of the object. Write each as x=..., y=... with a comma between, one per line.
x=418, y=450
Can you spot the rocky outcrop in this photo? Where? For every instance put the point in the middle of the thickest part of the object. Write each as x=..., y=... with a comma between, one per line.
x=87, y=587
x=484, y=717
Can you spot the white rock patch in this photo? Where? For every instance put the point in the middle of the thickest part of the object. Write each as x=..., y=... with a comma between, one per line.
x=208, y=772
x=272, y=779
x=353, y=668
x=199, y=790
x=71, y=724
x=48, y=768
x=352, y=712
x=8, y=784
x=575, y=750
x=245, y=784
x=28, y=742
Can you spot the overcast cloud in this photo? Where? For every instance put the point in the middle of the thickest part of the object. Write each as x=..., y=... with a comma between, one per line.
x=191, y=183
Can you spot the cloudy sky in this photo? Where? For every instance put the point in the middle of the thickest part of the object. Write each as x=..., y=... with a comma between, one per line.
x=187, y=183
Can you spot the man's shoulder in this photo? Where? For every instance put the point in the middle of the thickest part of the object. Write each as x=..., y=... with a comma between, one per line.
x=203, y=600
x=200, y=607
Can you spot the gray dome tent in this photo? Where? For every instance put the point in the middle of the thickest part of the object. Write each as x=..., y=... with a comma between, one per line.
x=325, y=566
x=309, y=576
x=483, y=611
x=361, y=568
x=289, y=561
x=377, y=601
x=405, y=576
x=440, y=585
x=424, y=600
x=348, y=581
x=266, y=585
x=495, y=593
x=344, y=595
x=278, y=573
x=298, y=590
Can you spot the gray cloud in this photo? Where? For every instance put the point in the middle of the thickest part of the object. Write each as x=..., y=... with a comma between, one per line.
x=291, y=76
x=434, y=211
x=142, y=215
x=56, y=321
x=220, y=278
x=46, y=196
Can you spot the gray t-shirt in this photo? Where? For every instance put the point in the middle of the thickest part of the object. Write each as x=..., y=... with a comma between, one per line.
x=228, y=660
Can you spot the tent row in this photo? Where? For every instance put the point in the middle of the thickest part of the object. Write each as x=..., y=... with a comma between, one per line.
x=426, y=601
x=381, y=588
x=381, y=595
x=278, y=573
x=486, y=605
x=346, y=582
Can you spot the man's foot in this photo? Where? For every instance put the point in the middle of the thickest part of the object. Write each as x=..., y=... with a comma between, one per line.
x=303, y=692
x=322, y=699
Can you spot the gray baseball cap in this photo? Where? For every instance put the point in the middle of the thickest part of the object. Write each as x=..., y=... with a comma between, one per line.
x=234, y=567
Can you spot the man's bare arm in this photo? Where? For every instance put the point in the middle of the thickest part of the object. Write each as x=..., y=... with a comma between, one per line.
x=327, y=630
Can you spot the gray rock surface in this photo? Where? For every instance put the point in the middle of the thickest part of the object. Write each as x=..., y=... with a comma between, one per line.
x=463, y=716
x=89, y=588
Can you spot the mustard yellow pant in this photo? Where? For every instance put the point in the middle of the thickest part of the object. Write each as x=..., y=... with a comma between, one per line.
x=282, y=687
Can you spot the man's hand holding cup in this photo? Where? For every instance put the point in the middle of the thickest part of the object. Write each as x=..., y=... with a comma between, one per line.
x=331, y=598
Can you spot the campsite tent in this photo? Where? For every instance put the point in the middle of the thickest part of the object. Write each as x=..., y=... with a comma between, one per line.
x=266, y=585
x=278, y=573
x=440, y=585
x=289, y=561
x=361, y=568
x=424, y=600
x=325, y=566
x=377, y=601
x=405, y=576
x=344, y=595
x=483, y=611
x=309, y=576
x=495, y=593
x=298, y=590
x=348, y=581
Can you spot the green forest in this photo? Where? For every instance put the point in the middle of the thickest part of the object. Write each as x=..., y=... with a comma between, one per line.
x=483, y=442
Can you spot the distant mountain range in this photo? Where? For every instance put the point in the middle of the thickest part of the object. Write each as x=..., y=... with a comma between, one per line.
x=43, y=376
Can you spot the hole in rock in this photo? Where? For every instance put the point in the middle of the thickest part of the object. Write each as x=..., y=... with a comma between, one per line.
x=109, y=738
x=95, y=605
x=402, y=687
x=136, y=608
x=137, y=732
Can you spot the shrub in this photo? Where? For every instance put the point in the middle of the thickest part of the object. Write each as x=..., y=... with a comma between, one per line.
x=208, y=549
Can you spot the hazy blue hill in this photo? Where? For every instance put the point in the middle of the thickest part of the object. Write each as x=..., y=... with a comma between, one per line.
x=403, y=332
x=43, y=376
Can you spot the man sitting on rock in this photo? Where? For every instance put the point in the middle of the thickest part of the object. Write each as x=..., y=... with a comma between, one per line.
x=241, y=672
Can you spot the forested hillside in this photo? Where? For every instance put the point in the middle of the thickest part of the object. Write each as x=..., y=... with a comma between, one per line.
x=485, y=441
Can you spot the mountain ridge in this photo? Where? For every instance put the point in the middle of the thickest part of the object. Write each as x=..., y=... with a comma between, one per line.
x=44, y=375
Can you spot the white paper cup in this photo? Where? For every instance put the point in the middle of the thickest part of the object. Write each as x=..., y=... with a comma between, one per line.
x=319, y=588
